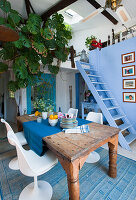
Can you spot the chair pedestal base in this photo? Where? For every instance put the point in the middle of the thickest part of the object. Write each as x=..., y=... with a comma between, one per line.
x=93, y=157
x=43, y=192
x=13, y=164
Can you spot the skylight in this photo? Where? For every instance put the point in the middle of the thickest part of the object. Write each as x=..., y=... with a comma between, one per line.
x=71, y=17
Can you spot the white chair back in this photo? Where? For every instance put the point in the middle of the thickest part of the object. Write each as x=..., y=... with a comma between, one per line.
x=23, y=155
x=9, y=130
x=95, y=117
x=73, y=111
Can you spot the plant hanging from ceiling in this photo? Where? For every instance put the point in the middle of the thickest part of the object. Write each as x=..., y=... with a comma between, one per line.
x=37, y=43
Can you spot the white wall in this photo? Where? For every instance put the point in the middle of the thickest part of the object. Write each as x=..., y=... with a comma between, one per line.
x=63, y=81
x=101, y=32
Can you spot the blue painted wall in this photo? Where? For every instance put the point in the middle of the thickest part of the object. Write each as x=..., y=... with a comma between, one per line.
x=51, y=91
x=109, y=64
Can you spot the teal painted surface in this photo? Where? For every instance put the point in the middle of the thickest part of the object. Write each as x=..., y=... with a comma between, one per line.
x=50, y=91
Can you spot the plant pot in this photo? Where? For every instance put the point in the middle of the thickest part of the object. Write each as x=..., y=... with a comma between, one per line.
x=44, y=115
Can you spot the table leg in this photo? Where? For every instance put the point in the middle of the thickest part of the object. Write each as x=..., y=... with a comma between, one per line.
x=113, y=145
x=72, y=171
x=73, y=184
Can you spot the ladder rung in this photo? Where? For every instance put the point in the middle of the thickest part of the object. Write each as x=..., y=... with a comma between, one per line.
x=86, y=69
x=130, y=138
x=124, y=126
x=105, y=99
x=84, y=63
x=94, y=75
x=97, y=82
x=113, y=107
x=102, y=90
x=115, y=117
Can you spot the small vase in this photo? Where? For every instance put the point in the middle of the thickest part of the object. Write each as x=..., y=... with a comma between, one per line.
x=44, y=115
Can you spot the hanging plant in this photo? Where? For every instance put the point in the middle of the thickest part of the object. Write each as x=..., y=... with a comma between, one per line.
x=35, y=44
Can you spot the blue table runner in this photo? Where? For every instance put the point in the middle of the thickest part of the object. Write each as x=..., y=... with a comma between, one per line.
x=34, y=132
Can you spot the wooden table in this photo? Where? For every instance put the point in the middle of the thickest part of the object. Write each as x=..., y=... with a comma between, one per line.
x=72, y=150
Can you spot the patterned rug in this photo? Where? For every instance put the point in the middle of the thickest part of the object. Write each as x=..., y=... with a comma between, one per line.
x=95, y=184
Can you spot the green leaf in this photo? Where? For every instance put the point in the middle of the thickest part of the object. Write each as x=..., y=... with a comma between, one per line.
x=61, y=55
x=23, y=41
x=5, y=6
x=34, y=23
x=13, y=86
x=18, y=44
x=39, y=47
x=53, y=69
x=8, y=51
x=3, y=67
x=14, y=18
x=31, y=55
x=20, y=68
x=47, y=60
x=34, y=67
x=24, y=29
x=2, y=21
x=47, y=33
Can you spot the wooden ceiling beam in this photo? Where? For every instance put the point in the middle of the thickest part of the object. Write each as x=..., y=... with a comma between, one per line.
x=28, y=7
x=59, y=6
x=105, y=13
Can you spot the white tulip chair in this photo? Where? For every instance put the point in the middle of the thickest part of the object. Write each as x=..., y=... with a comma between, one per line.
x=32, y=165
x=98, y=118
x=13, y=164
x=73, y=111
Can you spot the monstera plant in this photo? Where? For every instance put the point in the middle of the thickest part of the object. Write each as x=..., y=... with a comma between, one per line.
x=38, y=43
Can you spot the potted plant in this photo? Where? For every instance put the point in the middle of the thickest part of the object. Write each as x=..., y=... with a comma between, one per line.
x=92, y=43
x=89, y=41
x=44, y=106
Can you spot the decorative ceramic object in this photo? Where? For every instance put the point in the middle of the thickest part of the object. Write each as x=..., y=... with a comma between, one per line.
x=44, y=115
x=39, y=119
x=84, y=57
x=53, y=122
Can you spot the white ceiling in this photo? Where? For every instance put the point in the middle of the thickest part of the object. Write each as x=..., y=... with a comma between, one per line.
x=82, y=7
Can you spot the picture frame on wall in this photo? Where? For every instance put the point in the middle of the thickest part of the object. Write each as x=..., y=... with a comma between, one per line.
x=128, y=58
x=129, y=83
x=128, y=71
x=129, y=97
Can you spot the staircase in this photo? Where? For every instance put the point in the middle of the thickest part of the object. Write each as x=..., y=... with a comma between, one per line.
x=107, y=103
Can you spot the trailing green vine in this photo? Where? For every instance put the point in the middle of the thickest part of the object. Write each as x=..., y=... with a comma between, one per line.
x=37, y=43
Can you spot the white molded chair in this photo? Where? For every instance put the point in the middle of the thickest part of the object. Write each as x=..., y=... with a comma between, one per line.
x=32, y=165
x=98, y=118
x=73, y=111
x=13, y=164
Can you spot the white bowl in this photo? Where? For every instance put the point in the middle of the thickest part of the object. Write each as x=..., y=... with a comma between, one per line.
x=53, y=122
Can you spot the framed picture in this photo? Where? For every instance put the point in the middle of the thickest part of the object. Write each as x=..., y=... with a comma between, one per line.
x=129, y=84
x=129, y=97
x=128, y=58
x=128, y=71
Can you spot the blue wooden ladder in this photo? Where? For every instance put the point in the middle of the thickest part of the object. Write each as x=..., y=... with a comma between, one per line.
x=107, y=103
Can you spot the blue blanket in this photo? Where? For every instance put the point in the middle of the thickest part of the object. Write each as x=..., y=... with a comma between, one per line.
x=34, y=132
